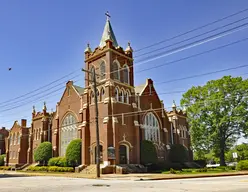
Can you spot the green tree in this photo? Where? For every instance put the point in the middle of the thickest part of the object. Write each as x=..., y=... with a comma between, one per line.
x=73, y=152
x=218, y=114
x=178, y=154
x=148, y=153
x=43, y=153
x=241, y=150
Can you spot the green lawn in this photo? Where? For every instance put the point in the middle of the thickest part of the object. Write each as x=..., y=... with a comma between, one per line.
x=201, y=171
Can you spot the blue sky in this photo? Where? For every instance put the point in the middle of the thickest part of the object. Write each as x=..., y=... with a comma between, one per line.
x=45, y=40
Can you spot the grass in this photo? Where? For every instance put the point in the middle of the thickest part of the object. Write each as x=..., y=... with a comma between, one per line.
x=201, y=171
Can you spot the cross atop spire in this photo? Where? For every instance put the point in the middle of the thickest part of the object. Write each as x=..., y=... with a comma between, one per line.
x=108, y=33
x=108, y=15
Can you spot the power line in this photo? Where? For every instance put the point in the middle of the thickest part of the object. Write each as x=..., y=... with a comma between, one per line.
x=194, y=55
x=41, y=92
x=134, y=113
x=191, y=45
x=204, y=74
x=194, y=44
x=44, y=86
x=213, y=37
x=192, y=30
x=215, y=29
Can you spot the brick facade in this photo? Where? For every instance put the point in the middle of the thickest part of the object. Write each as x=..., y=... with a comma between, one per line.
x=127, y=113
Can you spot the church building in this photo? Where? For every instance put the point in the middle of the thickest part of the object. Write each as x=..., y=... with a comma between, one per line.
x=128, y=113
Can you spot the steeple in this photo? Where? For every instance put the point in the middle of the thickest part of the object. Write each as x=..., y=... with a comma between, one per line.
x=108, y=33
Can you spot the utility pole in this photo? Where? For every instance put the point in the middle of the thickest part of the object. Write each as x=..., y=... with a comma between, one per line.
x=93, y=74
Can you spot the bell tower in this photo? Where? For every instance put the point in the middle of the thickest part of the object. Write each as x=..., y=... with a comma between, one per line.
x=110, y=61
x=115, y=85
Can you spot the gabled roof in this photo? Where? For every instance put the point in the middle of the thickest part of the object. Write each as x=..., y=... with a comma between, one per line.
x=140, y=88
x=108, y=33
x=80, y=90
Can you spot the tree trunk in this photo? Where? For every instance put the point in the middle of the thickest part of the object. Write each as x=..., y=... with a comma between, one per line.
x=222, y=153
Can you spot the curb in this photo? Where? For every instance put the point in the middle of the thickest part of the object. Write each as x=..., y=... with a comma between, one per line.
x=192, y=177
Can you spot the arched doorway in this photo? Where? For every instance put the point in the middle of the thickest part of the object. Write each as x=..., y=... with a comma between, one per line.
x=101, y=154
x=123, y=154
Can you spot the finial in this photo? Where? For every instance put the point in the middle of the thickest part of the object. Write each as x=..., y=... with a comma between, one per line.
x=129, y=48
x=174, y=104
x=88, y=49
x=108, y=15
x=44, y=107
x=33, y=109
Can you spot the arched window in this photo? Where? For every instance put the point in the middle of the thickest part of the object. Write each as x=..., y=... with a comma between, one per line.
x=68, y=132
x=115, y=71
x=121, y=96
x=127, y=97
x=14, y=139
x=102, y=70
x=91, y=74
x=151, y=126
x=102, y=94
x=10, y=139
x=92, y=97
x=116, y=94
x=18, y=138
x=126, y=74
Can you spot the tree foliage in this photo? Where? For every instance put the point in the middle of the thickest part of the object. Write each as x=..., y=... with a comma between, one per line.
x=178, y=154
x=148, y=153
x=43, y=153
x=218, y=114
x=241, y=150
x=73, y=152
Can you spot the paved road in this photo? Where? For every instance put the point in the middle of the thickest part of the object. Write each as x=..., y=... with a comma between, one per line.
x=50, y=184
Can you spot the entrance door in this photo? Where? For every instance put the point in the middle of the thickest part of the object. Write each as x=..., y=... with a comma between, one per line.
x=123, y=154
x=101, y=154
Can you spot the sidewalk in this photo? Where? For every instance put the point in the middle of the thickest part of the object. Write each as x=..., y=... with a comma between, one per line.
x=134, y=177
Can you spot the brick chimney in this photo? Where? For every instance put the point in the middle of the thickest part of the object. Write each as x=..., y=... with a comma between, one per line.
x=24, y=123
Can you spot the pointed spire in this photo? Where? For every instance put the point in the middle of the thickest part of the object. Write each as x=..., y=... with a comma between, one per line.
x=108, y=33
x=34, y=110
x=129, y=48
x=44, y=107
x=88, y=49
x=174, y=106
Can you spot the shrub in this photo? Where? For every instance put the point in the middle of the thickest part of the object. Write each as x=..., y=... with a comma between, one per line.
x=73, y=153
x=60, y=169
x=5, y=168
x=43, y=153
x=148, y=153
x=2, y=160
x=242, y=165
x=172, y=171
x=50, y=169
x=37, y=168
x=178, y=154
x=58, y=161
